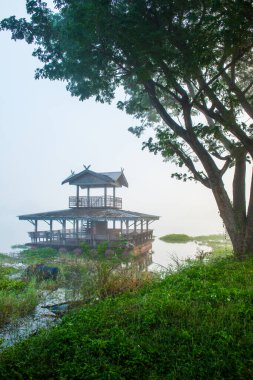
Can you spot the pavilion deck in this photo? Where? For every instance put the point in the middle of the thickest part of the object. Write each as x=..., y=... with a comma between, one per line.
x=70, y=237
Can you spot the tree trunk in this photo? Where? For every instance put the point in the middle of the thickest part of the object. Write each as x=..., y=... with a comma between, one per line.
x=238, y=225
x=225, y=210
x=248, y=244
x=239, y=203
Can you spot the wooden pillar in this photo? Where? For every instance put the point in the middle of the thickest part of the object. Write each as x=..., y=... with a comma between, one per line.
x=147, y=225
x=77, y=196
x=36, y=230
x=127, y=227
x=88, y=196
x=113, y=225
x=121, y=227
x=64, y=229
x=114, y=200
x=135, y=226
x=105, y=196
x=142, y=231
x=51, y=230
x=77, y=228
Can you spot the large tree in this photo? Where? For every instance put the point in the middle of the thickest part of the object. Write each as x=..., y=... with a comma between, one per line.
x=185, y=66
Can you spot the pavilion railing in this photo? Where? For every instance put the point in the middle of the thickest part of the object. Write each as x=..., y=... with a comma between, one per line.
x=69, y=236
x=95, y=201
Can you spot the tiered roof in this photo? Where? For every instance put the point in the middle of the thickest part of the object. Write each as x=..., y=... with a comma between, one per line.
x=88, y=178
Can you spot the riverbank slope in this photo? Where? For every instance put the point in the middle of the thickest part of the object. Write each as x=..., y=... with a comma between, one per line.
x=194, y=324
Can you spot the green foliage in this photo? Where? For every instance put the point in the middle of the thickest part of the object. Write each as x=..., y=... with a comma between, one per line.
x=17, y=302
x=17, y=297
x=39, y=255
x=176, y=238
x=102, y=248
x=6, y=258
x=194, y=324
x=85, y=247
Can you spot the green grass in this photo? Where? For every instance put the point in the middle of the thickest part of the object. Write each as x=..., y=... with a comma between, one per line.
x=17, y=297
x=194, y=324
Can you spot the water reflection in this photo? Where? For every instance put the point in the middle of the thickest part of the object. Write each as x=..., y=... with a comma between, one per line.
x=166, y=255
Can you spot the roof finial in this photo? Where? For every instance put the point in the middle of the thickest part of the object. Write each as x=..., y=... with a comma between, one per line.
x=72, y=172
x=86, y=167
x=122, y=170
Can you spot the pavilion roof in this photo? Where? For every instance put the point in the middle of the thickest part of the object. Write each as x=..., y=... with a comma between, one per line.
x=88, y=178
x=89, y=214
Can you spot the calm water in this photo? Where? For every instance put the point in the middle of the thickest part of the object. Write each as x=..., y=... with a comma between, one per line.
x=166, y=254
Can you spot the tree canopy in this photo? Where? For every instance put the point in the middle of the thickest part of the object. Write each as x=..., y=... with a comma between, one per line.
x=186, y=68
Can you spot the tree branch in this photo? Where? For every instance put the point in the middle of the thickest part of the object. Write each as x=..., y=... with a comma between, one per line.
x=247, y=88
x=150, y=89
x=227, y=118
x=190, y=165
x=223, y=69
x=225, y=166
x=240, y=95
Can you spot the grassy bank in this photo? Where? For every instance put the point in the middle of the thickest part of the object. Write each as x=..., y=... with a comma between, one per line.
x=194, y=324
x=221, y=245
x=183, y=238
x=85, y=277
x=17, y=297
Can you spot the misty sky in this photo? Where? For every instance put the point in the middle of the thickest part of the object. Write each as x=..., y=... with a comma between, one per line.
x=45, y=133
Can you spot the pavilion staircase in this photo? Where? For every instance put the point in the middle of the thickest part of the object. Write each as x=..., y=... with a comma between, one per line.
x=86, y=227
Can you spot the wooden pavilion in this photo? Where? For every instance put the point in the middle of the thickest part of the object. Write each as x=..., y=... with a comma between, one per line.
x=93, y=218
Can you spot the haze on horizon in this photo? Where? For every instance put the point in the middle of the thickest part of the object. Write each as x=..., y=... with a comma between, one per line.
x=46, y=133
